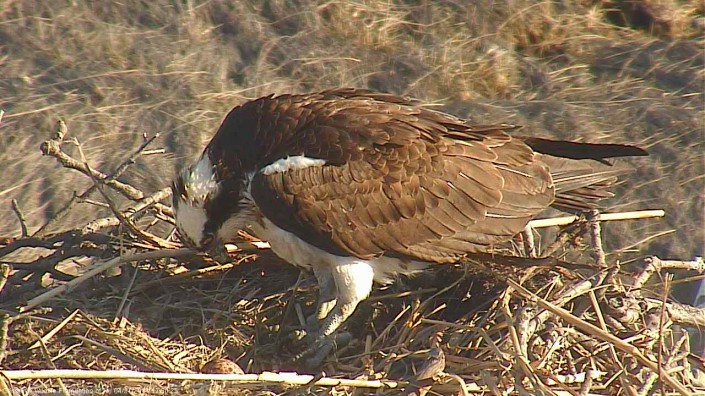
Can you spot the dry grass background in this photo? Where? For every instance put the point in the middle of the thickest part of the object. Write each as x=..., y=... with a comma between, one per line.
x=631, y=72
x=116, y=70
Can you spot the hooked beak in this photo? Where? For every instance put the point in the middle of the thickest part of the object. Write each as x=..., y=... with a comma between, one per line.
x=216, y=250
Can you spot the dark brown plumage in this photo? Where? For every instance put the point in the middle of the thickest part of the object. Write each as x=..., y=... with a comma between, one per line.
x=360, y=186
x=400, y=179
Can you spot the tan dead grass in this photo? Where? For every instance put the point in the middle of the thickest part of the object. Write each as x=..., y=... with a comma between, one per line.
x=117, y=70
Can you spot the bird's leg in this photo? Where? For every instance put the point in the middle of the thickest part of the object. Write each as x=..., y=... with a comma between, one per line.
x=327, y=292
x=353, y=281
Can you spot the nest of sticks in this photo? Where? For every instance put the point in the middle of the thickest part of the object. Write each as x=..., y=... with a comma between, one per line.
x=119, y=307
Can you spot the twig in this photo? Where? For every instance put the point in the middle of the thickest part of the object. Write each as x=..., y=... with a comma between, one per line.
x=601, y=321
x=114, y=175
x=153, y=151
x=20, y=217
x=653, y=264
x=5, y=388
x=644, y=240
x=47, y=357
x=603, y=277
x=597, y=333
x=69, y=286
x=662, y=324
x=46, y=337
x=133, y=158
x=153, y=199
x=529, y=243
x=123, y=220
x=522, y=368
x=694, y=265
x=289, y=378
x=26, y=242
x=681, y=314
x=118, y=214
x=6, y=320
x=4, y=274
x=596, y=238
x=52, y=147
x=114, y=352
x=566, y=220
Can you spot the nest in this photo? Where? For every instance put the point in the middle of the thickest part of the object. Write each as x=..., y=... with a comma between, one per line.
x=119, y=307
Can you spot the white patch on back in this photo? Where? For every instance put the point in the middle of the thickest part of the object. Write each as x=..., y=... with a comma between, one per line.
x=291, y=163
x=298, y=252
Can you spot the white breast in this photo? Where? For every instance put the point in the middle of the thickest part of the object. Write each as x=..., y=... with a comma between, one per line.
x=299, y=252
x=190, y=219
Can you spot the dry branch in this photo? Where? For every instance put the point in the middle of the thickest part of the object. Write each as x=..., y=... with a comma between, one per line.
x=143, y=204
x=653, y=264
x=515, y=347
x=682, y=314
x=21, y=218
x=52, y=147
x=287, y=378
x=113, y=176
x=599, y=334
x=567, y=220
x=99, y=268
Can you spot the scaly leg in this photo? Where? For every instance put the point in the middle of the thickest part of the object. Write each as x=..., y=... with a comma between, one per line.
x=353, y=281
x=327, y=292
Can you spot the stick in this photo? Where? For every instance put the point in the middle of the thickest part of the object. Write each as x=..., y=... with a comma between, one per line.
x=47, y=357
x=529, y=242
x=46, y=337
x=52, y=147
x=596, y=241
x=654, y=264
x=694, y=265
x=598, y=333
x=123, y=220
x=4, y=275
x=682, y=314
x=566, y=220
x=114, y=175
x=289, y=378
x=20, y=217
x=71, y=285
x=153, y=199
x=5, y=322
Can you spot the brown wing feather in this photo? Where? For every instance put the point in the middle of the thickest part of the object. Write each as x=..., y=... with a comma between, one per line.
x=413, y=191
x=399, y=179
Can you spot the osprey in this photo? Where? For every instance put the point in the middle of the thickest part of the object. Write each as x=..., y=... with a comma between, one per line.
x=361, y=187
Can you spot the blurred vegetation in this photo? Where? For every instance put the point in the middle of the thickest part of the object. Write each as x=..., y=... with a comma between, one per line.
x=596, y=71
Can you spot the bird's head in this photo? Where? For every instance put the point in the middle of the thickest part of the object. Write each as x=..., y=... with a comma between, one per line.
x=209, y=208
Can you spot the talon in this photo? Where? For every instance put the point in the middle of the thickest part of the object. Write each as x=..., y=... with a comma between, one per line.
x=321, y=348
x=312, y=324
x=299, y=335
